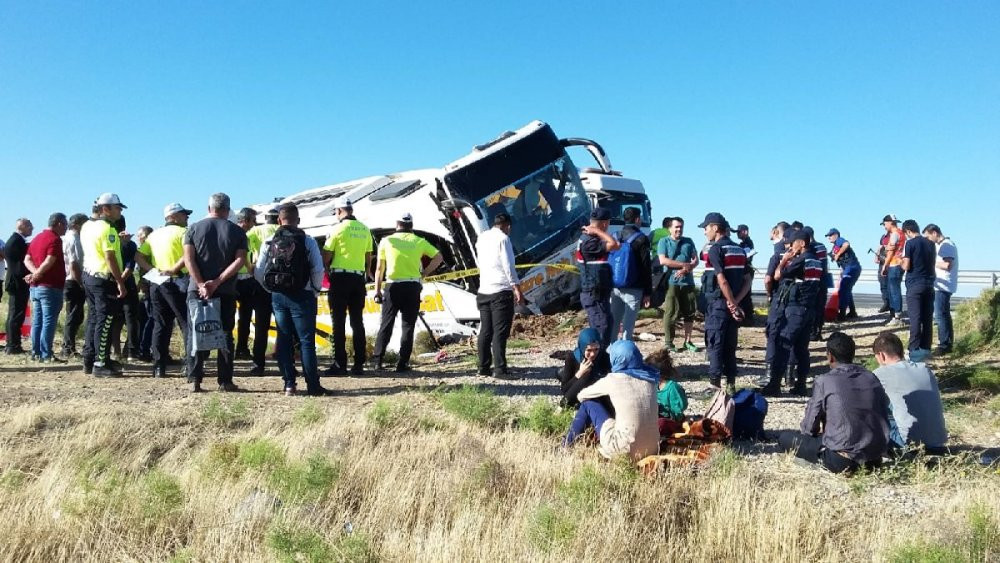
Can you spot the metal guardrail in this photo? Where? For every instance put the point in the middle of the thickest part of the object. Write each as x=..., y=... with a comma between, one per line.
x=982, y=278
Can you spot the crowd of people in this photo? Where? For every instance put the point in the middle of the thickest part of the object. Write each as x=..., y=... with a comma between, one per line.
x=254, y=270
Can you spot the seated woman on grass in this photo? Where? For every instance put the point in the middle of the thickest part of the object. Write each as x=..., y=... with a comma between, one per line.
x=584, y=366
x=631, y=387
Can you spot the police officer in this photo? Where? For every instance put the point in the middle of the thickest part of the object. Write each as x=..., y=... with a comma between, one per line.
x=595, y=272
x=724, y=288
x=799, y=275
x=826, y=281
x=262, y=310
x=347, y=255
x=246, y=289
x=163, y=250
x=400, y=257
x=103, y=283
x=775, y=309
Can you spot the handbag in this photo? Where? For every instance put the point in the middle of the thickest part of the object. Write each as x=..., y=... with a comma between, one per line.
x=207, y=334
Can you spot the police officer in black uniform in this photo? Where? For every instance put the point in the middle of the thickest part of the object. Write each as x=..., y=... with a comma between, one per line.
x=798, y=274
x=826, y=281
x=595, y=272
x=724, y=288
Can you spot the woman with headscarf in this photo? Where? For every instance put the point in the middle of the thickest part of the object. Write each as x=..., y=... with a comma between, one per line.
x=584, y=366
x=631, y=387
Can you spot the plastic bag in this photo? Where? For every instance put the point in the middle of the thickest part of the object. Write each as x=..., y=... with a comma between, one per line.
x=206, y=325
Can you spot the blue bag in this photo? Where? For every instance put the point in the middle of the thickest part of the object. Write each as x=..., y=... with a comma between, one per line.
x=751, y=409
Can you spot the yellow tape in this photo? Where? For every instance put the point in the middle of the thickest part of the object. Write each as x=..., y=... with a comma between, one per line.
x=475, y=272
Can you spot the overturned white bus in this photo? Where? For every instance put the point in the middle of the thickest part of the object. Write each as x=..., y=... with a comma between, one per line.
x=526, y=173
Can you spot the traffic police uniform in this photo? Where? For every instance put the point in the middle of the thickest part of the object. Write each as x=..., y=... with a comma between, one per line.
x=97, y=237
x=721, y=329
x=350, y=242
x=261, y=297
x=401, y=255
x=791, y=317
x=163, y=248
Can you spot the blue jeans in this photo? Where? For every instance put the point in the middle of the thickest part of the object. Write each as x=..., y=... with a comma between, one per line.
x=591, y=413
x=46, y=304
x=942, y=318
x=894, y=284
x=848, y=277
x=625, y=304
x=296, y=314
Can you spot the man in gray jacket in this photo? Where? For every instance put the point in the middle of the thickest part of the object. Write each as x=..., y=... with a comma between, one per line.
x=846, y=425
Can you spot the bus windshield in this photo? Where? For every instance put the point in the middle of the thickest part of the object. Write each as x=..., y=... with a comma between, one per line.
x=533, y=180
x=546, y=207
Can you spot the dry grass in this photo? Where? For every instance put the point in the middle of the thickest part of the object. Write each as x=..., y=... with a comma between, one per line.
x=327, y=481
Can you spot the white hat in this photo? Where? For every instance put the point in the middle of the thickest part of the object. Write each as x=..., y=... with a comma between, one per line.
x=110, y=199
x=406, y=218
x=175, y=208
x=342, y=203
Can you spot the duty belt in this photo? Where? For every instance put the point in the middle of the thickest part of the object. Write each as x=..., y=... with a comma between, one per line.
x=343, y=271
x=100, y=275
x=407, y=280
x=241, y=277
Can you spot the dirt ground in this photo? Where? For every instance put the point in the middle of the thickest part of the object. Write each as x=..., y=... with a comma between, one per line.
x=537, y=345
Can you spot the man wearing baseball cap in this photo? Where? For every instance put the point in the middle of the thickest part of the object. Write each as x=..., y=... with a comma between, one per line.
x=103, y=284
x=347, y=255
x=400, y=266
x=595, y=273
x=724, y=289
x=850, y=270
x=892, y=269
x=163, y=250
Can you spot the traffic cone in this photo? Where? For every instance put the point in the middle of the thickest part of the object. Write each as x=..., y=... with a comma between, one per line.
x=26, y=325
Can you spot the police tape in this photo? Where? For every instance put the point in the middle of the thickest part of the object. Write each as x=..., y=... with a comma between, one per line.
x=570, y=268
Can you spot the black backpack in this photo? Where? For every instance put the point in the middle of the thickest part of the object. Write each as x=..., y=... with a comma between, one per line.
x=287, y=268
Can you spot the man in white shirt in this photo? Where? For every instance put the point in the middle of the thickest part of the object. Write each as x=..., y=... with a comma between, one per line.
x=917, y=412
x=498, y=291
x=73, y=293
x=945, y=285
x=293, y=296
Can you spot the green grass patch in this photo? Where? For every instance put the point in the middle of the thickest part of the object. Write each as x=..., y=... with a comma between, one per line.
x=309, y=480
x=386, y=414
x=233, y=414
x=13, y=479
x=479, y=406
x=545, y=418
x=725, y=462
x=980, y=541
x=519, y=344
x=584, y=490
x=977, y=324
x=260, y=453
x=310, y=414
x=293, y=545
x=551, y=527
x=160, y=494
x=976, y=377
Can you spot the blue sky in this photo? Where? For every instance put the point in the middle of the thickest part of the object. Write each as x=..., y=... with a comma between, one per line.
x=832, y=113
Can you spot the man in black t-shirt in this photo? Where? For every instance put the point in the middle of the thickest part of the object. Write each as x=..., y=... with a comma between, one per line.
x=919, y=255
x=214, y=251
x=595, y=272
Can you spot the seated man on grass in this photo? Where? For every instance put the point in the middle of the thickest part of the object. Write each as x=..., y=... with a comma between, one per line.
x=846, y=425
x=914, y=396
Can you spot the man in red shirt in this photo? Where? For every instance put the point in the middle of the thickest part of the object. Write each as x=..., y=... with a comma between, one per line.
x=47, y=278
